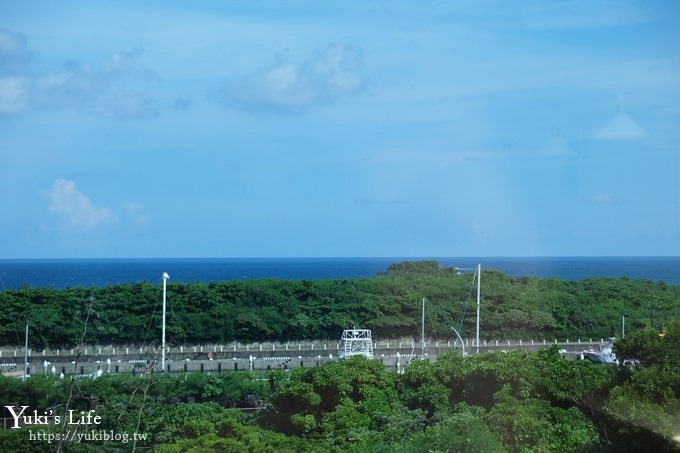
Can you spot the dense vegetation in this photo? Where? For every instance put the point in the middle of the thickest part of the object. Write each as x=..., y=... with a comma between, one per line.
x=389, y=304
x=492, y=402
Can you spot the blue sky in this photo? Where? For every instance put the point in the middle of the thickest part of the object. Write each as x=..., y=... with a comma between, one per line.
x=354, y=128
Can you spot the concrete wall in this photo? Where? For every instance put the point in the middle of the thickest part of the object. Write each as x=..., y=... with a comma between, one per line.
x=215, y=358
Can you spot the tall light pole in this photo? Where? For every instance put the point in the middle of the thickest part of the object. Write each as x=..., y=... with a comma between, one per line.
x=623, y=325
x=479, y=284
x=165, y=279
x=422, y=332
x=461, y=340
x=26, y=353
x=478, y=276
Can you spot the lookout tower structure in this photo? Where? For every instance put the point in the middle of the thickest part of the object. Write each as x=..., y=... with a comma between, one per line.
x=356, y=342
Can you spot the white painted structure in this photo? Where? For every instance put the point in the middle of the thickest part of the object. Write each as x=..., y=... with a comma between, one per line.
x=356, y=342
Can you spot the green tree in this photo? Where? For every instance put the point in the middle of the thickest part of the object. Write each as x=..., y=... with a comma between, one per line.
x=647, y=402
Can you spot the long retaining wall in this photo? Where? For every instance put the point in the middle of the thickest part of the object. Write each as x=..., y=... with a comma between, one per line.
x=217, y=358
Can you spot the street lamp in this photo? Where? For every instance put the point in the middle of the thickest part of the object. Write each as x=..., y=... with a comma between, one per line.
x=623, y=325
x=461, y=340
x=479, y=280
x=165, y=279
x=478, y=275
x=26, y=353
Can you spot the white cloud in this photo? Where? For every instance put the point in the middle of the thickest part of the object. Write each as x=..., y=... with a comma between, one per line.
x=134, y=105
x=329, y=75
x=135, y=210
x=119, y=86
x=75, y=208
x=14, y=53
x=14, y=86
x=115, y=87
x=477, y=231
x=182, y=103
x=13, y=95
x=603, y=198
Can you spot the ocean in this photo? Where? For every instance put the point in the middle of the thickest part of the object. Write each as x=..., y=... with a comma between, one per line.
x=71, y=273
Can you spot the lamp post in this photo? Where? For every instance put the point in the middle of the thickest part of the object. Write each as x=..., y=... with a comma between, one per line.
x=165, y=279
x=478, y=276
x=422, y=331
x=461, y=340
x=623, y=325
x=26, y=353
x=479, y=282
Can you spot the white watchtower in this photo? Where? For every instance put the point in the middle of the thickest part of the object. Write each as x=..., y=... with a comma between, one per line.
x=356, y=342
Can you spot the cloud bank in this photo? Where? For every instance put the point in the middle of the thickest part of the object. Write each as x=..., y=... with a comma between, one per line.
x=331, y=74
x=110, y=88
x=135, y=211
x=75, y=208
x=14, y=86
x=119, y=86
x=14, y=53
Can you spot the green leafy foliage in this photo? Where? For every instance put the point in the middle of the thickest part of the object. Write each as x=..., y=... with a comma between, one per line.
x=352, y=397
x=517, y=401
x=389, y=304
x=489, y=402
x=648, y=401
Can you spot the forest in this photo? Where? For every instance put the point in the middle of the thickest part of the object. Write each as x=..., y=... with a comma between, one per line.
x=389, y=304
x=491, y=402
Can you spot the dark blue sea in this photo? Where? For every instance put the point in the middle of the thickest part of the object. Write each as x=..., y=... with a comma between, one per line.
x=65, y=273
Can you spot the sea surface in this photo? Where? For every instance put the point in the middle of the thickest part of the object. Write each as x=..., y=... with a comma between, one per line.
x=71, y=273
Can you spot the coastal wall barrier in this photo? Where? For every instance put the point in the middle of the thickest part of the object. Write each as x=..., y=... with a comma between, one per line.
x=217, y=358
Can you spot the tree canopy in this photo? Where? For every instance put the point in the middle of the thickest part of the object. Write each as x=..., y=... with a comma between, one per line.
x=495, y=402
x=389, y=304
